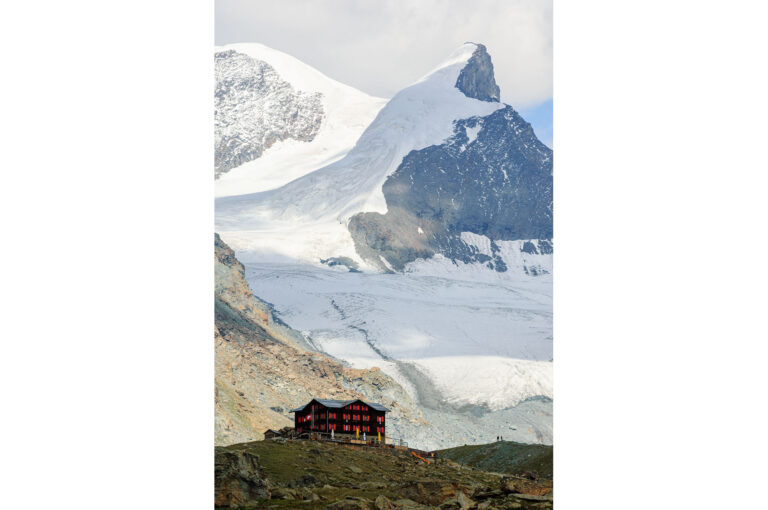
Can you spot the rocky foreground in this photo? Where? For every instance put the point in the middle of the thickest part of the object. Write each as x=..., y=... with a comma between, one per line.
x=317, y=475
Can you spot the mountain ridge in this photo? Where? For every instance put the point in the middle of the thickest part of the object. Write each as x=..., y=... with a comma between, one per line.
x=320, y=119
x=312, y=211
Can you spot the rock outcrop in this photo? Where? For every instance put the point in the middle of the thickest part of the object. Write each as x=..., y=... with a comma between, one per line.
x=255, y=108
x=476, y=80
x=238, y=479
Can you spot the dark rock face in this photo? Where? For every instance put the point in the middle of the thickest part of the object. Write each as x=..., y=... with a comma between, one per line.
x=492, y=177
x=225, y=255
x=545, y=247
x=238, y=479
x=529, y=247
x=342, y=261
x=476, y=80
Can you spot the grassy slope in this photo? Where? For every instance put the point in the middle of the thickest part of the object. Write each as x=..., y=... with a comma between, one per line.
x=341, y=471
x=504, y=457
x=330, y=463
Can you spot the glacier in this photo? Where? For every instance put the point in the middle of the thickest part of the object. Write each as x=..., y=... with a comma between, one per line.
x=482, y=341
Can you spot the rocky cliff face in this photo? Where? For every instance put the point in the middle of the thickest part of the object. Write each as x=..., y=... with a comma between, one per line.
x=255, y=108
x=264, y=368
x=493, y=177
x=476, y=80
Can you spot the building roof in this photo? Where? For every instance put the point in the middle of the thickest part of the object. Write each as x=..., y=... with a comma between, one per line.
x=340, y=403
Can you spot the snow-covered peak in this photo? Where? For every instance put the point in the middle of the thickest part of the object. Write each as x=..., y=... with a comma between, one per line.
x=323, y=201
x=469, y=69
x=297, y=73
x=416, y=117
x=344, y=112
x=450, y=68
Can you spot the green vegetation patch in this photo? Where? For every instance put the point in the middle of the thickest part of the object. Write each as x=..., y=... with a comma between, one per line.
x=504, y=457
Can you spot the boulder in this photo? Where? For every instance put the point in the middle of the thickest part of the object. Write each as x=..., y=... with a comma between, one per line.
x=383, y=503
x=407, y=504
x=306, y=495
x=511, y=485
x=284, y=493
x=431, y=493
x=306, y=480
x=464, y=501
x=460, y=502
x=349, y=503
x=238, y=479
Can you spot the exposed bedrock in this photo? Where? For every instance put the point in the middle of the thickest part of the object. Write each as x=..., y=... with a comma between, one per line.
x=492, y=177
x=476, y=80
x=255, y=108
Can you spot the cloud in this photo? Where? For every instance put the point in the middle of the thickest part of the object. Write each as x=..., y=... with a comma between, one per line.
x=384, y=45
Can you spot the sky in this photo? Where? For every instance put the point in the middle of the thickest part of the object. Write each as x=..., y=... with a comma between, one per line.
x=383, y=46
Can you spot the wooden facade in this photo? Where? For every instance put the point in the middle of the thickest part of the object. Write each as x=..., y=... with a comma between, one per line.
x=341, y=417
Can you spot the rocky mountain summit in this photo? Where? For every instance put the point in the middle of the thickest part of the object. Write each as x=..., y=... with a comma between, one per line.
x=476, y=80
x=255, y=108
x=492, y=177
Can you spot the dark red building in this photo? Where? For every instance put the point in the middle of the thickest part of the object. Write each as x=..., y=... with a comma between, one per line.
x=341, y=417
